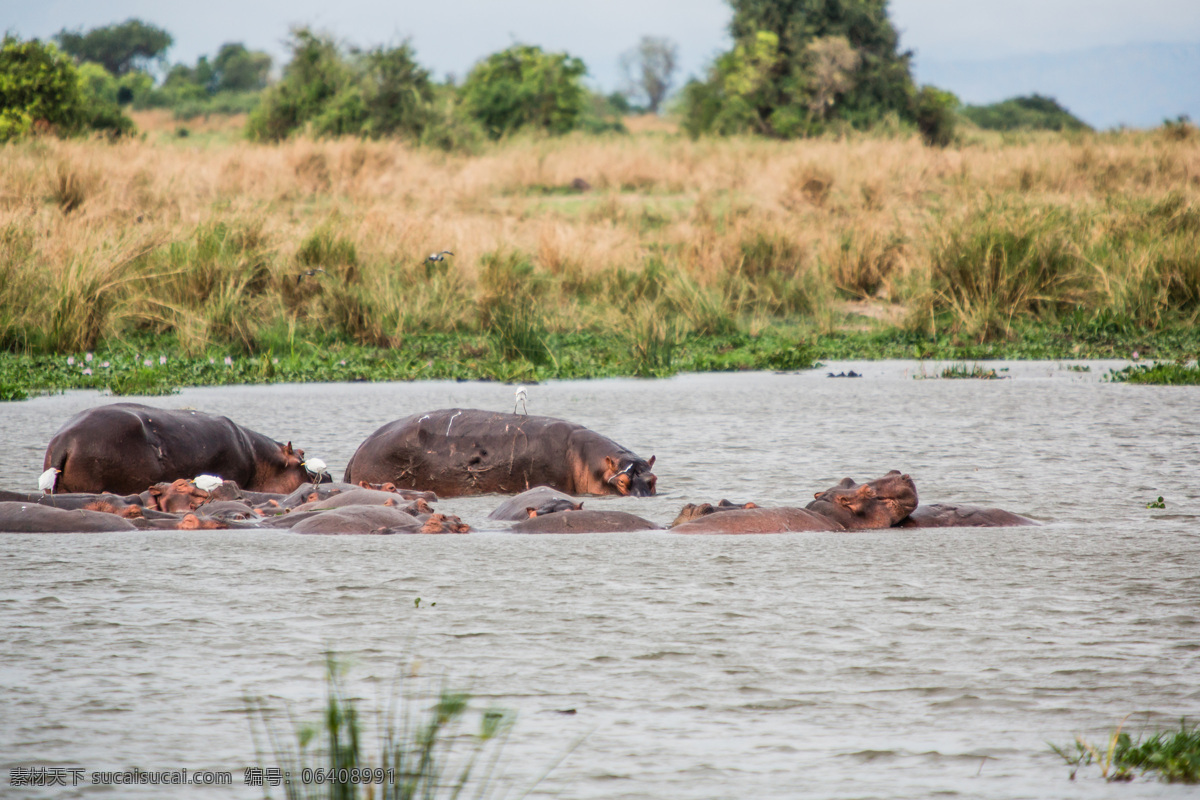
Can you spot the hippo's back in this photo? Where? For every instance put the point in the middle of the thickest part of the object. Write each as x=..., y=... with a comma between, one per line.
x=459, y=451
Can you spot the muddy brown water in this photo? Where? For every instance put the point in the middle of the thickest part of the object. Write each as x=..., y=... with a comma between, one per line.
x=890, y=664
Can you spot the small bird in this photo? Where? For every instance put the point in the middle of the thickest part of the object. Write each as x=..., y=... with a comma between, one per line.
x=308, y=273
x=520, y=400
x=207, y=483
x=47, y=480
x=316, y=466
x=438, y=256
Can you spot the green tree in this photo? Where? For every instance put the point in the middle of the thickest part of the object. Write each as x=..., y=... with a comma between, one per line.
x=237, y=69
x=831, y=60
x=313, y=77
x=382, y=92
x=524, y=86
x=40, y=86
x=119, y=48
x=397, y=92
x=37, y=84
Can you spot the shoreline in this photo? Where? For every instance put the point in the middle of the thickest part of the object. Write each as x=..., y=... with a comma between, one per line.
x=155, y=366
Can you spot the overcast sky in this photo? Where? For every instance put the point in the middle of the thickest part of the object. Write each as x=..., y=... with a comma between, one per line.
x=452, y=34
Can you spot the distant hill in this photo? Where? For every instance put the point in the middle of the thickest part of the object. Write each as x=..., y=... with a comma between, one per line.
x=1134, y=85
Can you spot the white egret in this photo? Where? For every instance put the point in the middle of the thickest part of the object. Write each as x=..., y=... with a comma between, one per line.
x=207, y=483
x=520, y=395
x=47, y=480
x=316, y=466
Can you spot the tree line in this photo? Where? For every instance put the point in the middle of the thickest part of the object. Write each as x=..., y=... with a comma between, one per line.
x=796, y=68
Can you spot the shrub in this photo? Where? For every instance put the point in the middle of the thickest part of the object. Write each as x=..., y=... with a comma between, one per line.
x=38, y=84
x=525, y=87
x=936, y=116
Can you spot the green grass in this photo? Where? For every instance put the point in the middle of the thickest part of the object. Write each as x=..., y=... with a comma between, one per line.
x=1171, y=756
x=650, y=345
x=974, y=371
x=1158, y=374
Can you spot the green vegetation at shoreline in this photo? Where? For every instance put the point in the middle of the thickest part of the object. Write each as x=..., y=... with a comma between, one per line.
x=156, y=365
x=1172, y=756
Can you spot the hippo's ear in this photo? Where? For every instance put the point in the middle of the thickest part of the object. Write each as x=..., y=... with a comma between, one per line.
x=610, y=465
x=579, y=506
x=650, y=463
x=287, y=449
x=532, y=512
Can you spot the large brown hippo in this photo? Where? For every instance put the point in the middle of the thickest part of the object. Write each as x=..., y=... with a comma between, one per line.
x=125, y=447
x=458, y=451
x=945, y=515
x=584, y=522
x=880, y=503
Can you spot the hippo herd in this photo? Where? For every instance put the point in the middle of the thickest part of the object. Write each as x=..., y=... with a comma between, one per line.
x=125, y=466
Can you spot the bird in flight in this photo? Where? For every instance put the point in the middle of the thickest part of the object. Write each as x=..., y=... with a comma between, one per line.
x=308, y=273
x=438, y=256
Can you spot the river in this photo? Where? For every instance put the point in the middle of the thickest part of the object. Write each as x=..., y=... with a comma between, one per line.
x=888, y=664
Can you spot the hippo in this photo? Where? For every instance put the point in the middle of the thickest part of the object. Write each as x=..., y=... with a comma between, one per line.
x=17, y=517
x=880, y=503
x=759, y=520
x=173, y=497
x=944, y=515
x=456, y=451
x=694, y=511
x=353, y=497
x=358, y=519
x=584, y=522
x=125, y=447
x=535, y=502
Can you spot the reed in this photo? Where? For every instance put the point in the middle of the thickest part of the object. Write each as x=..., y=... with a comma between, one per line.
x=419, y=750
x=1171, y=756
x=207, y=242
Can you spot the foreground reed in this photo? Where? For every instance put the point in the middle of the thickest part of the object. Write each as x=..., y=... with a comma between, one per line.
x=1172, y=756
x=419, y=750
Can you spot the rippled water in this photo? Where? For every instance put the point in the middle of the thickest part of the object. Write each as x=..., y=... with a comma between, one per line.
x=890, y=664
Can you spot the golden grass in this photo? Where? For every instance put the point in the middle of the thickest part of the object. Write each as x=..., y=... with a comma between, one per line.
x=746, y=228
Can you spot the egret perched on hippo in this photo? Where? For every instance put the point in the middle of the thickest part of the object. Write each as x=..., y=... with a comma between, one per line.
x=461, y=451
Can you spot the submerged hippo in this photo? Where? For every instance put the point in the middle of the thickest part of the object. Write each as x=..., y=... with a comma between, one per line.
x=16, y=517
x=456, y=451
x=537, y=501
x=880, y=503
x=693, y=511
x=759, y=520
x=584, y=522
x=125, y=447
x=376, y=520
x=945, y=515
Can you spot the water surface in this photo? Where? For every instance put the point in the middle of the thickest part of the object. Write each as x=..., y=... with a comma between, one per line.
x=889, y=664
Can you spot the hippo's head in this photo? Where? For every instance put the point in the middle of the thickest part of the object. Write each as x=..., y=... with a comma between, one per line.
x=880, y=503
x=285, y=473
x=174, y=497
x=630, y=476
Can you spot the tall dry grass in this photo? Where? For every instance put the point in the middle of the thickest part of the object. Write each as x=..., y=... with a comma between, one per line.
x=210, y=238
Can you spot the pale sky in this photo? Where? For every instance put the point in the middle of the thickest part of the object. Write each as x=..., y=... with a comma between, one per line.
x=450, y=35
